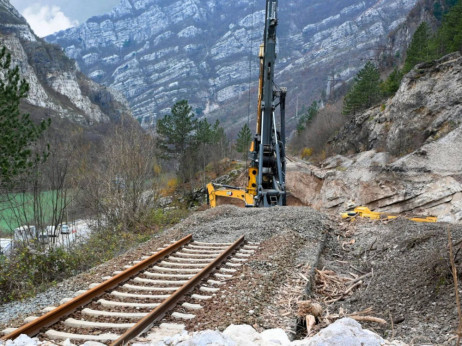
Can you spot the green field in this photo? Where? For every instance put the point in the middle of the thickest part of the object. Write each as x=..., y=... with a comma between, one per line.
x=19, y=210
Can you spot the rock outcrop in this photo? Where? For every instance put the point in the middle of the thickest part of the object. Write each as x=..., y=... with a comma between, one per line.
x=57, y=88
x=403, y=158
x=156, y=52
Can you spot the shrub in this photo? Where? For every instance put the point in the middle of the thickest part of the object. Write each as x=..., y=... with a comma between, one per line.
x=306, y=153
x=172, y=185
x=32, y=269
x=318, y=131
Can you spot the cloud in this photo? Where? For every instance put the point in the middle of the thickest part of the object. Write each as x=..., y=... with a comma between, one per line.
x=45, y=20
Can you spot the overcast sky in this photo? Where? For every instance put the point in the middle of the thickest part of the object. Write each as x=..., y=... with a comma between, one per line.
x=48, y=16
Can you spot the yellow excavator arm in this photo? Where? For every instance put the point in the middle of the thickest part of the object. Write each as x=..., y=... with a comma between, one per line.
x=374, y=215
x=216, y=190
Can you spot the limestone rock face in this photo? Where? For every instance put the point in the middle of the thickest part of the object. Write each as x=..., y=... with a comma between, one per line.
x=426, y=107
x=157, y=52
x=57, y=87
x=392, y=171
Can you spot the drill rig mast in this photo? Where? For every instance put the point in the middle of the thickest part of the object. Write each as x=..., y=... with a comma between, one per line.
x=266, y=173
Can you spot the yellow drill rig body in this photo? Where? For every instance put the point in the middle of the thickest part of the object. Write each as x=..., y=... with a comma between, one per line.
x=266, y=172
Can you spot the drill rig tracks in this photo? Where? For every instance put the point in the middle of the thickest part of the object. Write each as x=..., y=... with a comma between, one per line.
x=131, y=302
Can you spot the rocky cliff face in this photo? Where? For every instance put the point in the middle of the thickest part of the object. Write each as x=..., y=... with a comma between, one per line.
x=428, y=11
x=156, y=52
x=392, y=171
x=57, y=88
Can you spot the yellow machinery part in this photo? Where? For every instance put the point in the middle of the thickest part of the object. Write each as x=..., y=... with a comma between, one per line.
x=252, y=183
x=247, y=198
x=374, y=215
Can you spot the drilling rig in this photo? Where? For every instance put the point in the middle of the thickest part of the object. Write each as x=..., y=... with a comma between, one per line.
x=266, y=172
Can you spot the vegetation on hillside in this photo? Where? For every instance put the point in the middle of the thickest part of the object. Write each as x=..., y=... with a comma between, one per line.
x=315, y=128
x=18, y=132
x=365, y=90
x=190, y=144
x=244, y=138
x=427, y=46
x=308, y=116
x=115, y=182
x=112, y=176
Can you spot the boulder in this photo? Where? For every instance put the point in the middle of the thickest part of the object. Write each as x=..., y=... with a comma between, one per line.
x=243, y=335
x=345, y=331
x=208, y=337
x=274, y=337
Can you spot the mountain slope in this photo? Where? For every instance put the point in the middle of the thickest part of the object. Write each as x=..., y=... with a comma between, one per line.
x=404, y=157
x=156, y=51
x=57, y=88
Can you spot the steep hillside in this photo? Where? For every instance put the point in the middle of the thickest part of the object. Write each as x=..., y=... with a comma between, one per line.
x=428, y=11
x=384, y=163
x=57, y=88
x=156, y=51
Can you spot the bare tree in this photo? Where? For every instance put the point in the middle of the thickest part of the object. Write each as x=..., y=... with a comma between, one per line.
x=121, y=189
x=320, y=129
x=39, y=199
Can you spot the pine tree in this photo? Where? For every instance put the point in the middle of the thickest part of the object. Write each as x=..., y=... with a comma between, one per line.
x=391, y=85
x=308, y=116
x=176, y=131
x=449, y=37
x=18, y=132
x=177, y=137
x=244, y=138
x=419, y=50
x=204, y=132
x=365, y=91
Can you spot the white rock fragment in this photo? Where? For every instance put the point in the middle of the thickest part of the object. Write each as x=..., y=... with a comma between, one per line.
x=275, y=336
x=165, y=334
x=209, y=337
x=345, y=331
x=243, y=334
x=23, y=340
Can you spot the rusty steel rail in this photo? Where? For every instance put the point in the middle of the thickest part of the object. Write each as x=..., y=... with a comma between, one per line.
x=34, y=327
x=148, y=321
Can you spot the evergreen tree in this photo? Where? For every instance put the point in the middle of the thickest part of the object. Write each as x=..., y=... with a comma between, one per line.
x=244, y=138
x=17, y=131
x=308, y=116
x=391, y=85
x=449, y=36
x=365, y=91
x=419, y=50
x=218, y=132
x=204, y=132
x=176, y=131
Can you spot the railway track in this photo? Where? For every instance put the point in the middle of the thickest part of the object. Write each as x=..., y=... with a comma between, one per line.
x=133, y=300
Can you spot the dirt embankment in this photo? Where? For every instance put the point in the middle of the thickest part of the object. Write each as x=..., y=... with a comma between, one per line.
x=407, y=278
